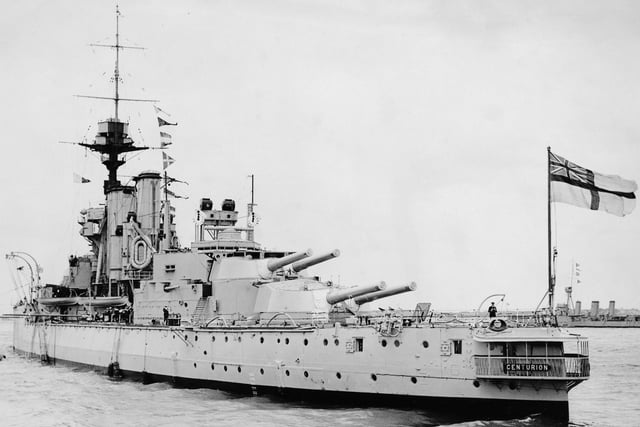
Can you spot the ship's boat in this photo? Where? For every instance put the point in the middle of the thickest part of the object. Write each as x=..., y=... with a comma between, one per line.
x=227, y=312
x=84, y=301
x=57, y=302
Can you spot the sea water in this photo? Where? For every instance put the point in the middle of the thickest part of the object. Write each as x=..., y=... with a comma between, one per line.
x=32, y=394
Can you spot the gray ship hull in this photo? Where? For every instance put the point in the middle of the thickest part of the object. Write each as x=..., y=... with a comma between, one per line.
x=300, y=364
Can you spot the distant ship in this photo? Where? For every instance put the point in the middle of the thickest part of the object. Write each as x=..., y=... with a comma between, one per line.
x=571, y=315
x=227, y=313
x=596, y=317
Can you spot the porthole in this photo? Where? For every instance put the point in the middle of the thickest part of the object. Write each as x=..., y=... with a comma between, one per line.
x=425, y=344
x=195, y=365
x=186, y=337
x=286, y=340
x=205, y=352
x=226, y=339
x=213, y=338
x=261, y=371
x=306, y=341
x=174, y=337
x=287, y=373
x=325, y=341
x=239, y=369
x=476, y=383
x=196, y=338
x=213, y=366
x=278, y=340
x=336, y=341
x=225, y=368
x=414, y=380
x=338, y=375
x=383, y=343
x=374, y=377
x=306, y=374
x=261, y=340
x=396, y=343
x=239, y=339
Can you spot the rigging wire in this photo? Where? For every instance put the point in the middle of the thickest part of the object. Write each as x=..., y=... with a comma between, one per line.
x=554, y=214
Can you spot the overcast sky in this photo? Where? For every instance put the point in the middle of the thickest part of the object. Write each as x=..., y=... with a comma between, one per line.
x=411, y=135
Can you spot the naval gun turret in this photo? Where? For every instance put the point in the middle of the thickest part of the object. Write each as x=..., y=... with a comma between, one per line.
x=306, y=263
x=278, y=263
x=343, y=295
x=384, y=293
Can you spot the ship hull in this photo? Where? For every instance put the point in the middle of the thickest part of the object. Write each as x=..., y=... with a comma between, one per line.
x=295, y=364
x=448, y=407
x=604, y=324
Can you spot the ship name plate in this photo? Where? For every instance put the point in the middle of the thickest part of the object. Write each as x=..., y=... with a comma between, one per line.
x=526, y=367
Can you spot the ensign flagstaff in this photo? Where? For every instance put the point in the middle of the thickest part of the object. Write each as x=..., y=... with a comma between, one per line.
x=572, y=184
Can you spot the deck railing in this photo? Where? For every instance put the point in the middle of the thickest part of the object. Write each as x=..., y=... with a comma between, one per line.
x=565, y=367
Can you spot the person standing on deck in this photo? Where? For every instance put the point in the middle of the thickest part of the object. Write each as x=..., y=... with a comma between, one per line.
x=493, y=310
x=165, y=312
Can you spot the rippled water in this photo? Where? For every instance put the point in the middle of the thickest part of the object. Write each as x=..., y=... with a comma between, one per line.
x=32, y=394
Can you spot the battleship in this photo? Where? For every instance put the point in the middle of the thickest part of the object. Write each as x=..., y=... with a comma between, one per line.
x=227, y=313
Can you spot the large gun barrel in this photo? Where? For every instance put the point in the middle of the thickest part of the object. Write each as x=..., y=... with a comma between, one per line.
x=277, y=263
x=301, y=265
x=384, y=293
x=345, y=294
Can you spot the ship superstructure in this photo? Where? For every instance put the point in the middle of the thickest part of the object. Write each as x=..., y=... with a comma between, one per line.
x=226, y=312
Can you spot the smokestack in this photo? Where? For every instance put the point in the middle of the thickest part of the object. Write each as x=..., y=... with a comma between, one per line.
x=612, y=308
x=595, y=308
x=578, y=308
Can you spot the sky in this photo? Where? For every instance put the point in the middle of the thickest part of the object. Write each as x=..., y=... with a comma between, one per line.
x=411, y=135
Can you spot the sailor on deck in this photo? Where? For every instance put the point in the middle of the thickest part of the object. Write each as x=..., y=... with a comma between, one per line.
x=165, y=312
x=493, y=310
